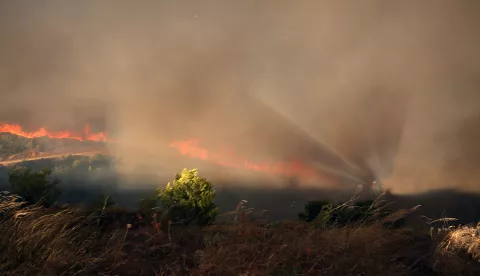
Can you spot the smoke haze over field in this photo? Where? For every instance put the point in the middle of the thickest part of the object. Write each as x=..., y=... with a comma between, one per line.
x=356, y=86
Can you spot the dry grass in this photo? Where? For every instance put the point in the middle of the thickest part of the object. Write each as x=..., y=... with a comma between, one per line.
x=464, y=239
x=72, y=241
x=459, y=249
x=297, y=249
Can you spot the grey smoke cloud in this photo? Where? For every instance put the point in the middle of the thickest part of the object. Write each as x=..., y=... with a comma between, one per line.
x=358, y=86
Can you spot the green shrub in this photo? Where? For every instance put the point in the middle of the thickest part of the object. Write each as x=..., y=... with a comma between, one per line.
x=313, y=209
x=188, y=199
x=33, y=186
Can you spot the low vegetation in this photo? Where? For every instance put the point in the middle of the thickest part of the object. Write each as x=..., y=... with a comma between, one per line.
x=13, y=145
x=327, y=214
x=174, y=233
x=33, y=186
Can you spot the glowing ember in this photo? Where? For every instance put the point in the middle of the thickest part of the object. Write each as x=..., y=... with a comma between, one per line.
x=229, y=158
x=65, y=134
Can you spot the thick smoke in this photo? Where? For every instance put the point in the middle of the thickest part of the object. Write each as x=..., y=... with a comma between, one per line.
x=362, y=88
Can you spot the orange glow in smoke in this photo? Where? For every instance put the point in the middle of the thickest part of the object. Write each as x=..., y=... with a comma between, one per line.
x=64, y=134
x=228, y=158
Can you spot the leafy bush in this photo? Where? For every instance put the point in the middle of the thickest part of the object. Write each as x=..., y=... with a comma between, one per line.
x=312, y=210
x=189, y=199
x=33, y=186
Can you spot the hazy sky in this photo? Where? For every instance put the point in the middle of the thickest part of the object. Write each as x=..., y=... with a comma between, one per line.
x=392, y=86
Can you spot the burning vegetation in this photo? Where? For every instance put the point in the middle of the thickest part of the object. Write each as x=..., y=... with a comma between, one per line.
x=226, y=157
x=64, y=134
x=178, y=230
x=328, y=96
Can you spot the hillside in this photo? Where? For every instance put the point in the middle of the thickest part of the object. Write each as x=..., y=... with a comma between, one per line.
x=14, y=147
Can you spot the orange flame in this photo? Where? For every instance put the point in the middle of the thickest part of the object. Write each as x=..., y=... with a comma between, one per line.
x=191, y=148
x=229, y=158
x=64, y=134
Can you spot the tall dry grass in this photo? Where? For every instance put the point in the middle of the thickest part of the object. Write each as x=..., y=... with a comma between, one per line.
x=458, y=250
x=73, y=241
x=298, y=249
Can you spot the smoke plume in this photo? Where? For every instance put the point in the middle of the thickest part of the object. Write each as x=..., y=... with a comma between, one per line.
x=358, y=89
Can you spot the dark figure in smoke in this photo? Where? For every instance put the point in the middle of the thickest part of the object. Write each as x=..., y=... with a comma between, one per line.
x=377, y=186
x=372, y=187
